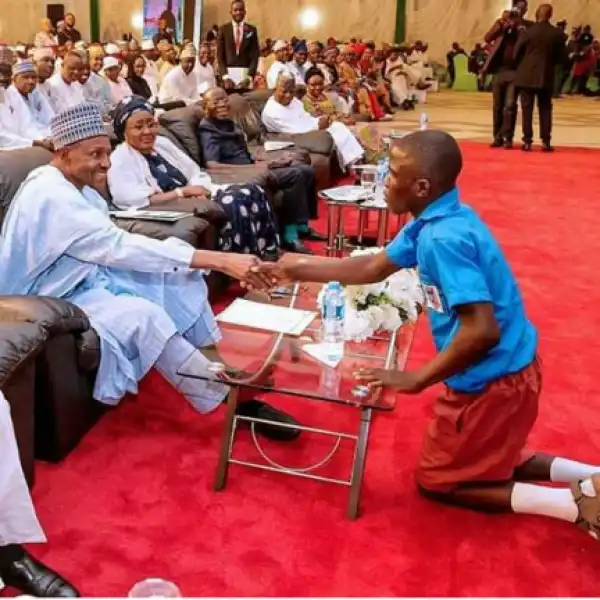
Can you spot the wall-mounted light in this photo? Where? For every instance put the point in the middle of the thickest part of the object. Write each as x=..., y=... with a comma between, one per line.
x=309, y=18
x=137, y=20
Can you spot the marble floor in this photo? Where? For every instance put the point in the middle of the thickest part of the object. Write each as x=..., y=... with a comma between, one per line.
x=467, y=115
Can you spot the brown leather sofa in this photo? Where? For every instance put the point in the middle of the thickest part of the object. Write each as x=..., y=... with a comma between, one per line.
x=181, y=126
x=49, y=354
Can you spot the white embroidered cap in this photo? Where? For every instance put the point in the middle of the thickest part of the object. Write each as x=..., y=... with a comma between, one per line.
x=76, y=124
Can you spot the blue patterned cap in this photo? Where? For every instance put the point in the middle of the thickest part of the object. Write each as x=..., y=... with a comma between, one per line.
x=80, y=122
x=23, y=66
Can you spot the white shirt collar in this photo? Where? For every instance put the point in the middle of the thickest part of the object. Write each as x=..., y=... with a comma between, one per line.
x=236, y=24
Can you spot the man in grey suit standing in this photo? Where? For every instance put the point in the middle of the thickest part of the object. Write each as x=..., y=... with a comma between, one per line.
x=538, y=51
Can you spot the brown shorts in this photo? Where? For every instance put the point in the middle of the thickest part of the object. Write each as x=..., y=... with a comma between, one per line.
x=480, y=437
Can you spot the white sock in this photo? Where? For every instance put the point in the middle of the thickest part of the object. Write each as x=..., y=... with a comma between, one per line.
x=539, y=500
x=179, y=354
x=549, y=502
x=564, y=470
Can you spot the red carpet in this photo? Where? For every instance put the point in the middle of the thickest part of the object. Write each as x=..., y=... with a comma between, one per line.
x=135, y=499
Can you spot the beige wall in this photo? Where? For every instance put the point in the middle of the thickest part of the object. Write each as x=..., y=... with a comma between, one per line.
x=442, y=22
x=369, y=19
x=20, y=19
x=116, y=18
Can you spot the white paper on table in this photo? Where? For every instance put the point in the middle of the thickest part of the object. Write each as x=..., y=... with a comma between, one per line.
x=237, y=74
x=318, y=351
x=269, y=317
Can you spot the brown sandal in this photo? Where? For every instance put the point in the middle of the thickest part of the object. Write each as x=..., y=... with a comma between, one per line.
x=588, y=518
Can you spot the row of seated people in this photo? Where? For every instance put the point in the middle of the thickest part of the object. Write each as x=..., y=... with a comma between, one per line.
x=147, y=169
x=367, y=81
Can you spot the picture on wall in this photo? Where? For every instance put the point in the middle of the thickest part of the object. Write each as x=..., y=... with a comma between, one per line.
x=169, y=10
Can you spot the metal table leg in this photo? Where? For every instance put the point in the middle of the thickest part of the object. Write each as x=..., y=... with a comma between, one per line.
x=382, y=227
x=362, y=220
x=330, y=229
x=358, y=467
x=227, y=441
x=340, y=240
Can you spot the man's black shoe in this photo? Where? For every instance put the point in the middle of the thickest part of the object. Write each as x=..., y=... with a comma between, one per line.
x=508, y=145
x=497, y=144
x=262, y=410
x=526, y=146
x=547, y=148
x=31, y=577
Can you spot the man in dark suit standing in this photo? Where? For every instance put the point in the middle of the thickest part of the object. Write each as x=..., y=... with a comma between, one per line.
x=503, y=38
x=238, y=44
x=538, y=51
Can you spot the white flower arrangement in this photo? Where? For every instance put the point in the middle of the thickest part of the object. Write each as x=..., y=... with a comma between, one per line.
x=383, y=306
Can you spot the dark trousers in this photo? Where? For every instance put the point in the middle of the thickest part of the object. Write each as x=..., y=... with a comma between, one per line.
x=504, y=95
x=299, y=193
x=544, y=102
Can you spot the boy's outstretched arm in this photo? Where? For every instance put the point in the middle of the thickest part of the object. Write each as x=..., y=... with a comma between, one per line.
x=349, y=271
x=477, y=334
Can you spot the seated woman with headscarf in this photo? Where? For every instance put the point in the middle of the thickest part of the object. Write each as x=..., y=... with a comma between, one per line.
x=317, y=102
x=148, y=169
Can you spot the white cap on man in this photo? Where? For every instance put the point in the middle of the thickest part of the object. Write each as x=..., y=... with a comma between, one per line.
x=279, y=45
x=110, y=62
x=147, y=45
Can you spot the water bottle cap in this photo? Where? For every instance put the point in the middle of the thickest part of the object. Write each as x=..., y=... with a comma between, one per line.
x=334, y=285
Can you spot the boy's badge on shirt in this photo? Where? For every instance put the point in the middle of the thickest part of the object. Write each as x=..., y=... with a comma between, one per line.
x=433, y=299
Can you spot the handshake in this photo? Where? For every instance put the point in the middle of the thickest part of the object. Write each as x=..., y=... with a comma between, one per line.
x=255, y=274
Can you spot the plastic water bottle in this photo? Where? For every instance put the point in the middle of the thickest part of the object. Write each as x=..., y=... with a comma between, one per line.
x=383, y=168
x=424, y=122
x=332, y=321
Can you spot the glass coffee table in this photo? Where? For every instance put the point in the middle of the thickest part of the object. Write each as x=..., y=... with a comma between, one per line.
x=293, y=372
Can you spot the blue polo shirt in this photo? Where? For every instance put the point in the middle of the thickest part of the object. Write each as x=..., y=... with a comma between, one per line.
x=460, y=262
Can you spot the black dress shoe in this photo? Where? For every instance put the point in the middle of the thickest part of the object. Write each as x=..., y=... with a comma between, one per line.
x=261, y=410
x=547, y=148
x=312, y=235
x=508, y=145
x=31, y=577
x=296, y=246
x=526, y=146
x=497, y=144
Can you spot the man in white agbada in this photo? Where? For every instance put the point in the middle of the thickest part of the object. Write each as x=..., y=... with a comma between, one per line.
x=418, y=60
x=205, y=74
x=64, y=86
x=150, y=54
x=119, y=88
x=397, y=71
x=19, y=524
x=181, y=83
x=281, y=65
x=284, y=113
x=43, y=59
x=146, y=299
x=25, y=113
x=95, y=88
